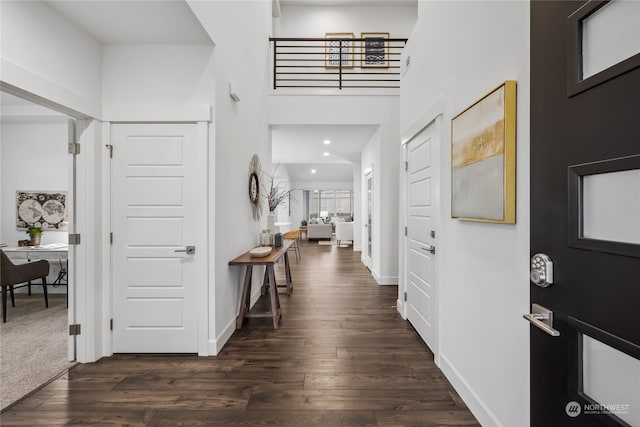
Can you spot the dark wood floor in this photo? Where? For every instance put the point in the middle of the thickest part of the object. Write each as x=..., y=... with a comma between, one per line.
x=342, y=357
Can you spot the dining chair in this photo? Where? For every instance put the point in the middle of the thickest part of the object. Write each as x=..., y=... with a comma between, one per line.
x=11, y=275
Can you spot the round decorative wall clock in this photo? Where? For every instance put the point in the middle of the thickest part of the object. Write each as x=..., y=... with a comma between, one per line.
x=255, y=170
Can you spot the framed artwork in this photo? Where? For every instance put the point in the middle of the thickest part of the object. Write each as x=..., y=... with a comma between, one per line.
x=374, y=50
x=46, y=209
x=483, y=158
x=338, y=47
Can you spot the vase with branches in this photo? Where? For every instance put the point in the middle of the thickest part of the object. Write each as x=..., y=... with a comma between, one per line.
x=276, y=194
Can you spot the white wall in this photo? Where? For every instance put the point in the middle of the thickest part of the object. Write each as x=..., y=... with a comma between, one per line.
x=33, y=157
x=357, y=204
x=154, y=77
x=240, y=31
x=43, y=53
x=459, y=52
x=315, y=20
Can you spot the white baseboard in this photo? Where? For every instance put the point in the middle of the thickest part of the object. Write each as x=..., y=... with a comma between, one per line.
x=357, y=248
x=477, y=407
x=401, y=309
x=384, y=280
x=215, y=346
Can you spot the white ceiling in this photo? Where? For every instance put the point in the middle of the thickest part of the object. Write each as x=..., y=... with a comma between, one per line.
x=300, y=173
x=135, y=22
x=300, y=147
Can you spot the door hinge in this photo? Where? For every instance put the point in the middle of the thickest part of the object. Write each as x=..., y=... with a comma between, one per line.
x=110, y=148
x=74, y=148
x=406, y=166
x=111, y=324
x=74, y=329
x=433, y=234
x=406, y=231
x=111, y=238
x=74, y=239
x=405, y=296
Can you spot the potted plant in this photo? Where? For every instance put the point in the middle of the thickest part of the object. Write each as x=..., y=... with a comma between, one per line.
x=35, y=233
x=303, y=223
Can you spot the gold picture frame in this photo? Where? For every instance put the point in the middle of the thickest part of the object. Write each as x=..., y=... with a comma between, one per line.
x=483, y=158
x=374, y=50
x=338, y=50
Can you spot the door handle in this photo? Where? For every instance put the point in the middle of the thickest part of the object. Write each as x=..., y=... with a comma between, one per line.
x=542, y=318
x=188, y=249
x=429, y=248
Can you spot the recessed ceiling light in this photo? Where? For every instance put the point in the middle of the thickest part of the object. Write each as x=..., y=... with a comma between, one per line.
x=326, y=142
x=326, y=153
x=313, y=171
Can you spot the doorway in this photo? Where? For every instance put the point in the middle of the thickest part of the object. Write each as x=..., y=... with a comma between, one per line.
x=422, y=208
x=159, y=264
x=368, y=222
x=37, y=176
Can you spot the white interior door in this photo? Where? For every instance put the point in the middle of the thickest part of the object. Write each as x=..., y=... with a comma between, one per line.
x=368, y=223
x=156, y=214
x=421, y=232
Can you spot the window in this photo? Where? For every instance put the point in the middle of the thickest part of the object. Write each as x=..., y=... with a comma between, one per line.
x=330, y=203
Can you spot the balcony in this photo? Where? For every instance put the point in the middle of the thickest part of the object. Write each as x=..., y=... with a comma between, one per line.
x=337, y=63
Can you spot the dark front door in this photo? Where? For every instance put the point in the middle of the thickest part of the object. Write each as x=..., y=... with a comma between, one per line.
x=585, y=214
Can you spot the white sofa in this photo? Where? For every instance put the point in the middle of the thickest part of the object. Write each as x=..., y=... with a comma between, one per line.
x=344, y=231
x=319, y=231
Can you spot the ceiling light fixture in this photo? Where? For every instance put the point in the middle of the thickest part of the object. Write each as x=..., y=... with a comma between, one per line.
x=313, y=171
x=326, y=142
x=326, y=153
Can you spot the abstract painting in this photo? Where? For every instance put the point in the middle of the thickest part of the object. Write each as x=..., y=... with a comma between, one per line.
x=338, y=47
x=483, y=149
x=375, y=50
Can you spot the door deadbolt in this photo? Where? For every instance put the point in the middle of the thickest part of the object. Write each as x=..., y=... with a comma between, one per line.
x=541, y=273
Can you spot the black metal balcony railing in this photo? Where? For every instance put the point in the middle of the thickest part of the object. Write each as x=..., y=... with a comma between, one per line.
x=372, y=62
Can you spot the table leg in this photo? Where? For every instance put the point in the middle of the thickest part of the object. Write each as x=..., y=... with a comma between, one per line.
x=265, y=282
x=245, y=301
x=275, y=300
x=287, y=270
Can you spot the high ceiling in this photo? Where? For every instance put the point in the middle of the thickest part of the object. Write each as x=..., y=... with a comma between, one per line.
x=135, y=22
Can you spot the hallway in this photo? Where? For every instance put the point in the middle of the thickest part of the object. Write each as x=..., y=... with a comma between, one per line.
x=342, y=357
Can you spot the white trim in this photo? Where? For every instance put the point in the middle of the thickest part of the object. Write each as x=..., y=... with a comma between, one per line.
x=107, y=288
x=384, y=280
x=429, y=114
x=402, y=308
x=204, y=243
x=202, y=278
x=477, y=407
x=432, y=117
x=156, y=113
x=215, y=345
x=14, y=77
x=85, y=264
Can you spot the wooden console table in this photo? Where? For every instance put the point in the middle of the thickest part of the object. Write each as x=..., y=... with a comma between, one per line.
x=269, y=281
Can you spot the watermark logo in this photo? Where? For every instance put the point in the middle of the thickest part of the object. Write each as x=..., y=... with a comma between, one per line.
x=573, y=409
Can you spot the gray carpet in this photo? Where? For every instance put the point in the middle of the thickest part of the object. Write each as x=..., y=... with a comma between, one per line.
x=33, y=345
